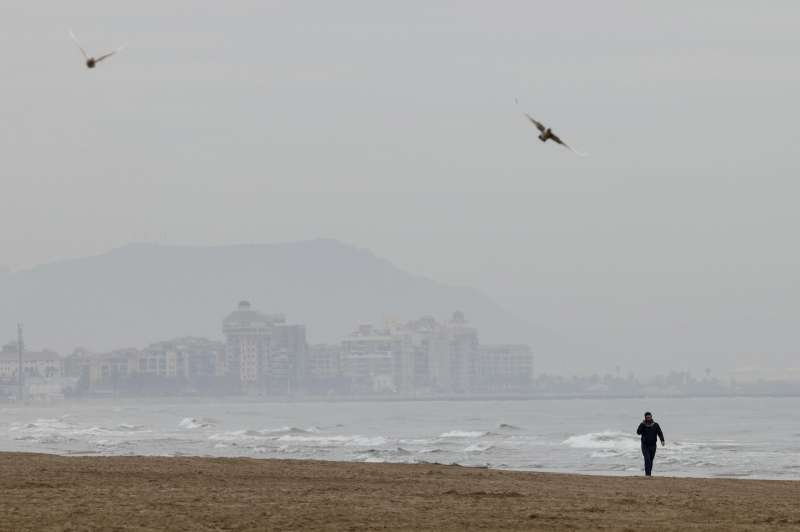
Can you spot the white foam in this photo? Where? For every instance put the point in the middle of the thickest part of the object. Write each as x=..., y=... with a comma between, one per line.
x=289, y=430
x=236, y=436
x=61, y=432
x=302, y=439
x=606, y=440
x=478, y=448
x=356, y=440
x=416, y=441
x=196, y=423
x=126, y=426
x=463, y=434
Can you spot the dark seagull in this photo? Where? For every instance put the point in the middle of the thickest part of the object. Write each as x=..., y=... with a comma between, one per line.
x=547, y=134
x=91, y=62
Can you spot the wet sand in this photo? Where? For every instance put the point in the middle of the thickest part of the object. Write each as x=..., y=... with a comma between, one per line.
x=45, y=492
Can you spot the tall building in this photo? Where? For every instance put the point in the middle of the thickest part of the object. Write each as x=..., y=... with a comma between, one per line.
x=324, y=370
x=504, y=368
x=451, y=350
x=412, y=371
x=368, y=360
x=463, y=346
x=288, y=359
x=268, y=355
x=246, y=343
x=421, y=356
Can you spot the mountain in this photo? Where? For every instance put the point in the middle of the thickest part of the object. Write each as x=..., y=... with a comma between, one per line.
x=142, y=293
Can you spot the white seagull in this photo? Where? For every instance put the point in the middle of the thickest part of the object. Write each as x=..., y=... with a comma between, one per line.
x=91, y=62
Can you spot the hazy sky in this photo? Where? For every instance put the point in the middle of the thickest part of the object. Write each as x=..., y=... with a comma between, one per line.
x=392, y=126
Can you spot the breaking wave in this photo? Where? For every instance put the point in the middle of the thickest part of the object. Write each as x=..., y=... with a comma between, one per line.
x=197, y=423
x=464, y=434
x=62, y=432
x=478, y=448
x=298, y=437
x=608, y=440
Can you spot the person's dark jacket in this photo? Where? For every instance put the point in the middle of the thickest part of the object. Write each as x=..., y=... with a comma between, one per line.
x=650, y=433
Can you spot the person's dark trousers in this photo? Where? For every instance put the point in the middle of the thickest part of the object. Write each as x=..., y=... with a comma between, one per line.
x=649, y=453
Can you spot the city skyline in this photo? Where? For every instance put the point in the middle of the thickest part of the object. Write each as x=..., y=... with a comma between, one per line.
x=263, y=355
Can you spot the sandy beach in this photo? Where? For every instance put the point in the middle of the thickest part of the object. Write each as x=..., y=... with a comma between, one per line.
x=46, y=492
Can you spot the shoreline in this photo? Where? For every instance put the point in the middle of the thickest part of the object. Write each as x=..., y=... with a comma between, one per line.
x=55, y=492
x=537, y=470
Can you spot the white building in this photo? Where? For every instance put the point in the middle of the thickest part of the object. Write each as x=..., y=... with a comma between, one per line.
x=368, y=360
x=45, y=364
x=449, y=350
x=504, y=368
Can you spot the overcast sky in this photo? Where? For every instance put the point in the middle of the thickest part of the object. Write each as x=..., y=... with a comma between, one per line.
x=392, y=126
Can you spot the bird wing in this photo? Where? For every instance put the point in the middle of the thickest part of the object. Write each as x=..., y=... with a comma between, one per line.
x=538, y=125
x=570, y=148
x=106, y=56
x=85, y=55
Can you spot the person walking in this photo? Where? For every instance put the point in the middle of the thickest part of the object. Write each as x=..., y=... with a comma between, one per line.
x=650, y=431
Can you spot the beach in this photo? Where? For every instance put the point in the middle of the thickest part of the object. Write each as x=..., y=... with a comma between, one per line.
x=49, y=492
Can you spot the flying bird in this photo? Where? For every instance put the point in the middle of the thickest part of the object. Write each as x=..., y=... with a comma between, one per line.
x=91, y=62
x=547, y=134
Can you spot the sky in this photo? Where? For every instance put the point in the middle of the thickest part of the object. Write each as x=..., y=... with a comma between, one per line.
x=392, y=126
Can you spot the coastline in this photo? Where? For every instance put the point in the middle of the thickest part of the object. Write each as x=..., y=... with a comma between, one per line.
x=42, y=491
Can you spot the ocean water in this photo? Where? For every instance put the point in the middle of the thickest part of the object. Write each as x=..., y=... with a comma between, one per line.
x=706, y=437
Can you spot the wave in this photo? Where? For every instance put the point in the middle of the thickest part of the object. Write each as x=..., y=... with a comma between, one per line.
x=478, y=448
x=296, y=437
x=464, y=434
x=46, y=439
x=434, y=450
x=417, y=441
x=506, y=426
x=59, y=431
x=43, y=424
x=388, y=452
x=353, y=441
x=608, y=440
x=197, y=423
x=237, y=436
x=289, y=430
x=396, y=455
x=128, y=427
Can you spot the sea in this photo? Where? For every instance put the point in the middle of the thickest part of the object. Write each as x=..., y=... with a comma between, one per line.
x=740, y=437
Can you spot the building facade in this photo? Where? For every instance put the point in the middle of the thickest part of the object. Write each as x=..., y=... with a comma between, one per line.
x=368, y=360
x=268, y=356
x=247, y=334
x=504, y=369
x=43, y=364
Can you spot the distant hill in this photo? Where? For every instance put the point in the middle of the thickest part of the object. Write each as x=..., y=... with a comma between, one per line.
x=145, y=292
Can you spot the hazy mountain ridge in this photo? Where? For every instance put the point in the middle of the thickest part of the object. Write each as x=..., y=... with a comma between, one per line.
x=146, y=292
